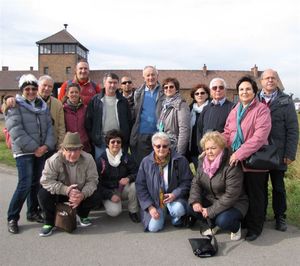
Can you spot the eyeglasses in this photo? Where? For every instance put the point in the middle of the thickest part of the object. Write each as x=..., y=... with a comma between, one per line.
x=115, y=141
x=169, y=87
x=126, y=82
x=30, y=89
x=214, y=88
x=200, y=93
x=72, y=149
x=161, y=146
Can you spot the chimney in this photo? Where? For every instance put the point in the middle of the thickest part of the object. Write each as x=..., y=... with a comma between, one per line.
x=204, y=70
x=31, y=68
x=4, y=68
x=255, y=71
x=66, y=26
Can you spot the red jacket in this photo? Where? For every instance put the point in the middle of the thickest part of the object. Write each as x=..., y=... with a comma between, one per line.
x=74, y=121
x=256, y=126
x=88, y=90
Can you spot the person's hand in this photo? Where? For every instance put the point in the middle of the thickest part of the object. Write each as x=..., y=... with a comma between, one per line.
x=70, y=188
x=124, y=181
x=233, y=161
x=75, y=198
x=197, y=207
x=10, y=102
x=40, y=151
x=153, y=212
x=168, y=198
x=115, y=198
x=204, y=212
x=287, y=161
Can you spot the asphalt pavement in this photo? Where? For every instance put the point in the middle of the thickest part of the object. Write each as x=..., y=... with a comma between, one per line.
x=118, y=241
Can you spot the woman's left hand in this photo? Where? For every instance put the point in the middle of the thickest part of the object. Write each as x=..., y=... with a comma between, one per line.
x=233, y=161
x=124, y=181
x=169, y=197
x=204, y=212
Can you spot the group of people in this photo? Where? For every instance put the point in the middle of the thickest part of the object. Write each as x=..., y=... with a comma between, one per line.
x=96, y=146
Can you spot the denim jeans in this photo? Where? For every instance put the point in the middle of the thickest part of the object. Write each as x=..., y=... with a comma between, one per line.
x=30, y=170
x=99, y=150
x=176, y=210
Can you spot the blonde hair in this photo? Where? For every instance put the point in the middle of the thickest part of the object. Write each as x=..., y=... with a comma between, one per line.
x=214, y=136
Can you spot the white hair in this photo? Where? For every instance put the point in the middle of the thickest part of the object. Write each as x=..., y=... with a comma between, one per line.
x=152, y=67
x=161, y=136
x=216, y=79
x=45, y=77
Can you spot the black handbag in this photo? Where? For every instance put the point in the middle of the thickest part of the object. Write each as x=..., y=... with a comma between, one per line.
x=206, y=246
x=65, y=217
x=266, y=158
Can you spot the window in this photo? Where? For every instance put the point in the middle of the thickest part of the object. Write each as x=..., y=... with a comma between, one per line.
x=68, y=70
x=57, y=49
x=45, y=49
x=81, y=52
x=69, y=48
x=46, y=70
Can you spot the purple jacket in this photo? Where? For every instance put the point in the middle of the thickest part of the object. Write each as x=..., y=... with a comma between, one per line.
x=256, y=126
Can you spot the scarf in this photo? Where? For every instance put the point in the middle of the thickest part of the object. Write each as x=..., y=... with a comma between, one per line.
x=239, y=137
x=73, y=106
x=210, y=168
x=268, y=98
x=196, y=109
x=114, y=161
x=168, y=102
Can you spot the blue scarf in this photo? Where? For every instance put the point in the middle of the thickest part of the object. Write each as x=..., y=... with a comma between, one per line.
x=239, y=137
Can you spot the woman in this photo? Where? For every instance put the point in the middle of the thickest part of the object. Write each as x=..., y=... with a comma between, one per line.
x=200, y=95
x=30, y=127
x=175, y=116
x=217, y=189
x=117, y=173
x=163, y=183
x=75, y=114
x=247, y=129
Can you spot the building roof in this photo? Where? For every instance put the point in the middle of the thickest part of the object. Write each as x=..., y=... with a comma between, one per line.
x=61, y=37
x=9, y=80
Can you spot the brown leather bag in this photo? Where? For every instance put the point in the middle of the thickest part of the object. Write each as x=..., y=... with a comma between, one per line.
x=65, y=217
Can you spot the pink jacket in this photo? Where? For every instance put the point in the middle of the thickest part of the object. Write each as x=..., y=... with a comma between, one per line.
x=256, y=126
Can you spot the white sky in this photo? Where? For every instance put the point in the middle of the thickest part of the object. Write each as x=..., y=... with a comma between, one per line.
x=171, y=34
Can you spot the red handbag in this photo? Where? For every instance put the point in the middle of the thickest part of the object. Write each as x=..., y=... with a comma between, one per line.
x=7, y=137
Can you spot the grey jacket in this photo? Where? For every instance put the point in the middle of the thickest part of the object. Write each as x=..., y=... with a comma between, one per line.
x=138, y=103
x=54, y=177
x=29, y=127
x=176, y=124
x=222, y=191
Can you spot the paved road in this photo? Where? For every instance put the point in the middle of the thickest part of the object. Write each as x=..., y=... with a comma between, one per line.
x=118, y=241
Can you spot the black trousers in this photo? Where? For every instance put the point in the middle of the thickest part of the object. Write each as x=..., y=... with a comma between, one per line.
x=255, y=189
x=143, y=147
x=48, y=201
x=278, y=192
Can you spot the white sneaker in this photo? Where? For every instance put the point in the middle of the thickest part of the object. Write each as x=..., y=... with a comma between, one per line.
x=236, y=236
x=209, y=232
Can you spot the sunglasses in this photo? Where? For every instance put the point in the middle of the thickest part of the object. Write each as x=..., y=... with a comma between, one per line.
x=126, y=82
x=115, y=141
x=30, y=89
x=214, y=88
x=169, y=87
x=161, y=146
x=72, y=149
x=200, y=93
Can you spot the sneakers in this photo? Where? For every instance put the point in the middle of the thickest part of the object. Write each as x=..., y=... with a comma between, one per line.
x=236, y=236
x=280, y=224
x=84, y=221
x=209, y=231
x=12, y=226
x=46, y=230
x=134, y=217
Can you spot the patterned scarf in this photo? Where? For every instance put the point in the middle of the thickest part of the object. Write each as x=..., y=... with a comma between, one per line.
x=210, y=168
x=73, y=106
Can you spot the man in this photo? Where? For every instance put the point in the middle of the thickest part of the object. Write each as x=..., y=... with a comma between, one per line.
x=88, y=87
x=147, y=107
x=214, y=115
x=45, y=88
x=107, y=111
x=285, y=134
x=70, y=175
x=128, y=92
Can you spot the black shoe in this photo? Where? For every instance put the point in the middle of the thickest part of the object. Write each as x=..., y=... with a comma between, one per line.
x=280, y=224
x=190, y=221
x=251, y=236
x=12, y=226
x=134, y=217
x=36, y=217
